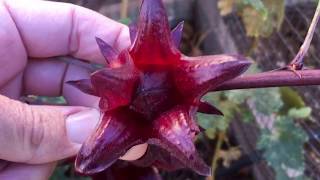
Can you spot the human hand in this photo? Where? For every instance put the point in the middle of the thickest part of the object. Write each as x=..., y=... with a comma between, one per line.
x=32, y=35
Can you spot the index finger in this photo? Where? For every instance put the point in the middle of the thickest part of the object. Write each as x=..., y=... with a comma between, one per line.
x=53, y=29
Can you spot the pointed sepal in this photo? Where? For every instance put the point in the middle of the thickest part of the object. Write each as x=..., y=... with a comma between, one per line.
x=160, y=158
x=176, y=34
x=207, y=108
x=109, y=53
x=83, y=85
x=133, y=32
x=117, y=133
x=195, y=76
x=153, y=44
x=174, y=131
x=115, y=86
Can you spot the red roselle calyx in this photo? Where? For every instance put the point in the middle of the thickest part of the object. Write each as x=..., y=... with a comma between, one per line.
x=150, y=93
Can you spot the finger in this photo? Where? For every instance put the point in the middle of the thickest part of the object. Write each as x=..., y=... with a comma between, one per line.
x=38, y=134
x=51, y=82
x=17, y=171
x=73, y=95
x=3, y=164
x=13, y=88
x=42, y=134
x=76, y=124
x=53, y=29
x=44, y=77
x=13, y=56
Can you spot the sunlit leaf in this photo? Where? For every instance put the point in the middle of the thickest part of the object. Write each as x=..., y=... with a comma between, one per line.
x=263, y=24
x=230, y=155
x=226, y=6
x=258, y=5
x=291, y=99
x=213, y=123
x=301, y=113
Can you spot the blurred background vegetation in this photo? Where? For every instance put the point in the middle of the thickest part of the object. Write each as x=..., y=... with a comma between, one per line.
x=265, y=134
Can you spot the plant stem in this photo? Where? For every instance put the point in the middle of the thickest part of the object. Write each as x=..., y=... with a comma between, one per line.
x=272, y=79
x=298, y=59
x=124, y=9
x=221, y=137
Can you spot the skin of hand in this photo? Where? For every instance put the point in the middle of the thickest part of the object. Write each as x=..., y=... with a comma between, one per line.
x=33, y=34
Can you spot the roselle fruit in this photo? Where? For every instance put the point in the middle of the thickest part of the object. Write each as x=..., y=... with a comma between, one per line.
x=150, y=93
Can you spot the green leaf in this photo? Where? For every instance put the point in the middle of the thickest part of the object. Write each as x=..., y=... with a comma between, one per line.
x=239, y=96
x=257, y=5
x=213, y=123
x=226, y=6
x=291, y=99
x=267, y=101
x=62, y=173
x=283, y=148
x=211, y=133
x=301, y=113
x=125, y=21
x=262, y=20
x=247, y=115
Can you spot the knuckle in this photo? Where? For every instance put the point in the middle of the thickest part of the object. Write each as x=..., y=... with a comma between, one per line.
x=31, y=130
x=36, y=129
x=11, y=46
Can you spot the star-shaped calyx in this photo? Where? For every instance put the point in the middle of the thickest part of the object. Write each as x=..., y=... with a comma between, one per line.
x=150, y=93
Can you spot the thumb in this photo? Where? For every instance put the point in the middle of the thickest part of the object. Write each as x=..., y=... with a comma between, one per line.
x=41, y=134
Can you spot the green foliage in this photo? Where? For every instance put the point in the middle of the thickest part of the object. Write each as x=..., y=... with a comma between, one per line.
x=61, y=171
x=239, y=96
x=214, y=124
x=282, y=140
x=283, y=148
x=125, y=21
x=301, y=113
x=260, y=17
x=267, y=101
x=257, y=5
x=246, y=115
x=226, y=6
x=283, y=145
x=261, y=23
x=291, y=99
x=45, y=100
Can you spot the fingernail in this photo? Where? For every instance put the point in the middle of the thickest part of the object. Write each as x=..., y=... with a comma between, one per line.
x=82, y=124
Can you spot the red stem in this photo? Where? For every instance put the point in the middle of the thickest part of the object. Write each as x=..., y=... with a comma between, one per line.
x=272, y=79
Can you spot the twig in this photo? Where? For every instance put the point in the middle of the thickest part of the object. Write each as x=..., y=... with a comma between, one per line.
x=245, y=161
x=272, y=79
x=221, y=137
x=297, y=62
x=124, y=9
